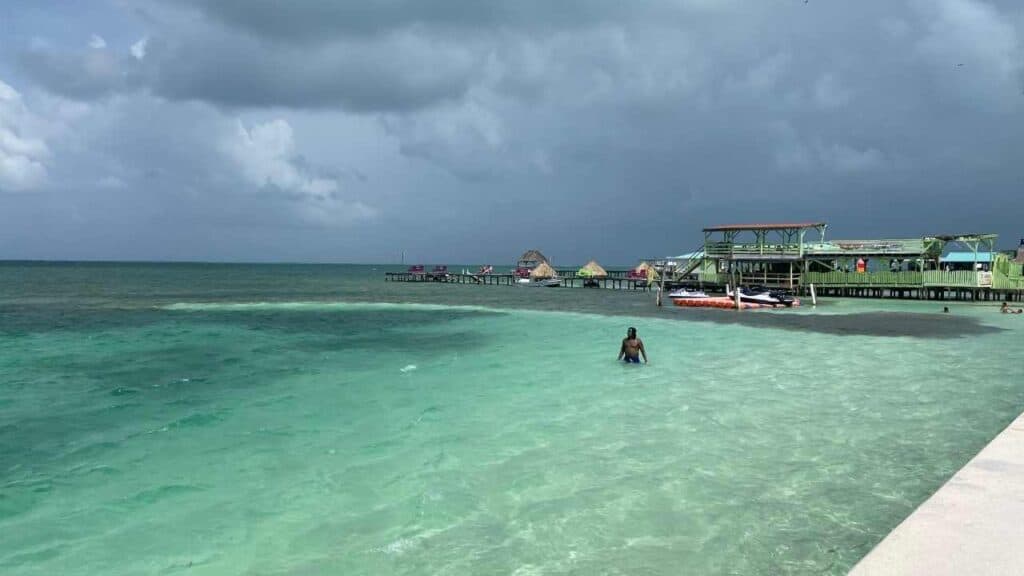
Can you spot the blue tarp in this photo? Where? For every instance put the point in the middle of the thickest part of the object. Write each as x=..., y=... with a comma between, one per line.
x=966, y=257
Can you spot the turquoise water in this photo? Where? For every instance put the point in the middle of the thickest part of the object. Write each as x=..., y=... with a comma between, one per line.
x=202, y=419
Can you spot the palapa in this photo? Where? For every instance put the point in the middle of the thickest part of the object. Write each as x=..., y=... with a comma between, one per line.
x=647, y=270
x=544, y=270
x=533, y=257
x=592, y=270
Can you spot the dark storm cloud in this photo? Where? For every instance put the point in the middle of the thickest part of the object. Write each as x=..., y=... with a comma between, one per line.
x=83, y=74
x=396, y=72
x=652, y=119
x=315, y=20
x=390, y=56
x=393, y=70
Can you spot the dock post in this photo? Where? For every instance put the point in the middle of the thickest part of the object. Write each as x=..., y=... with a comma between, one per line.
x=814, y=298
x=661, y=287
x=735, y=293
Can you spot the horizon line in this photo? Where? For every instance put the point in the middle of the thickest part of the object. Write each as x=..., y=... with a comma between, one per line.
x=259, y=262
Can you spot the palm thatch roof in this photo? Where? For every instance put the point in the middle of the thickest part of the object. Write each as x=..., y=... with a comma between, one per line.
x=544, y=270
x=648, y=270
x=592, y=270
x=533, y=256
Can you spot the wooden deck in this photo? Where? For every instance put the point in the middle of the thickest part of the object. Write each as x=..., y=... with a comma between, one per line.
x=616, y=280
x=916, y=285
x=927, y=285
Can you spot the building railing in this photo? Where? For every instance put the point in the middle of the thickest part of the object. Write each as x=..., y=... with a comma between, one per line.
x=883, y=278
x=954, y=278
x=950, y=279
x=751, y=278
x=1002, y=281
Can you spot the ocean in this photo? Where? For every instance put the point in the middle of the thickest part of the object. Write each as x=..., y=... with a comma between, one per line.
x=314, y=419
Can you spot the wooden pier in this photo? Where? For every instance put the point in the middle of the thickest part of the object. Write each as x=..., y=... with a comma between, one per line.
x=615, y=280
x=949, y=286
x=783, y=256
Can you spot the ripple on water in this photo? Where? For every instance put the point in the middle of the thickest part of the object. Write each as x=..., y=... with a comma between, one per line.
x=95, y=470
x=21, y=496
x=199, y=419
x=123, y=406
x=35, y=556
x=164, y=492
x=91, y=450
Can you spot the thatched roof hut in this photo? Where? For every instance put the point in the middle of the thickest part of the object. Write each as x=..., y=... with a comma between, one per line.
x=543, y=270
x=592, y=270
x=647, y=270
x=531, y=258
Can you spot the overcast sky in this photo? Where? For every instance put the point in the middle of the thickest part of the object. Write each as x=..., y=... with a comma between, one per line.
x=470, y=130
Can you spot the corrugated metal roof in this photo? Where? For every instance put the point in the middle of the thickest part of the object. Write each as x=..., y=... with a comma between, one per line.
x=969, y=237
x=687, y=256
x=894, y=247
x=785, y=226
x=966, y=257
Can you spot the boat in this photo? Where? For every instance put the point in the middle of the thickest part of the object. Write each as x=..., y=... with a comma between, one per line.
x=722, y=302
x=540, y=282
x=687, y=294
x=763, y=295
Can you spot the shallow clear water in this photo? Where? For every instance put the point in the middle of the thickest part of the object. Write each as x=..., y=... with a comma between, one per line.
x=276, y=420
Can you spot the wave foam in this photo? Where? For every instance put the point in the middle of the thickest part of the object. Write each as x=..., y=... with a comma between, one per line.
x=314, y=306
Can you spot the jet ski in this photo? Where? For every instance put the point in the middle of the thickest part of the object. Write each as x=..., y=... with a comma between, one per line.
x=763, y=295
x=687, y=294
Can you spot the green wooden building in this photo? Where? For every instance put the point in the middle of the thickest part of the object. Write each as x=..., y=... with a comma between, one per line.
x=797, y=255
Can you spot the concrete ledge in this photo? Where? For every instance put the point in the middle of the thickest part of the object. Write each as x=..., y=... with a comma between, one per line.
x=974, y=524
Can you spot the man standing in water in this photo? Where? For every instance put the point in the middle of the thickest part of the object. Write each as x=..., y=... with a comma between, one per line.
x=632, y=348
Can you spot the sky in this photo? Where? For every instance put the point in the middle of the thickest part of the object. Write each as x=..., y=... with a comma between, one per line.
x=466, y=131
